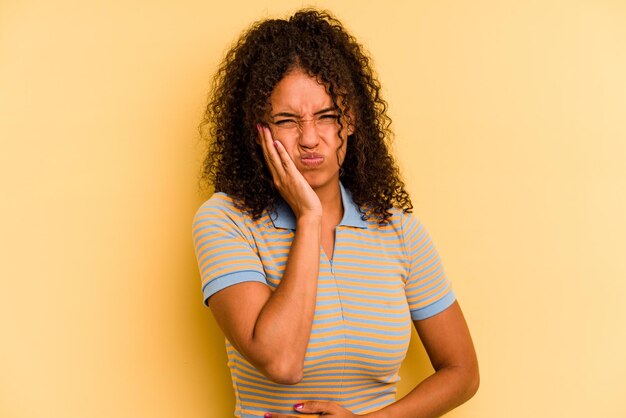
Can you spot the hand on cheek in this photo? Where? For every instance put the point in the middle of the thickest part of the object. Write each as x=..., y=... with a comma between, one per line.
x=290, y=183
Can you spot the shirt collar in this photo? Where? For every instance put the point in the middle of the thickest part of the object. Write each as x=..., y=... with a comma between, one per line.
x=284, y=218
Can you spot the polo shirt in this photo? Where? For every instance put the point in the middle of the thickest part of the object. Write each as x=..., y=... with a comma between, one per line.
x=379, y=279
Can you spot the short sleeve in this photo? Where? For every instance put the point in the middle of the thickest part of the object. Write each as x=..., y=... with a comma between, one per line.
x=428, y=290
x=224, y=248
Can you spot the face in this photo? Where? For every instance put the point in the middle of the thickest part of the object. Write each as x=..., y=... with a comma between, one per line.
x=303, y=118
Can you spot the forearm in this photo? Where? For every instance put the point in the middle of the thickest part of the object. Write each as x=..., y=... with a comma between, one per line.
x=439, y=393
x=283, y=327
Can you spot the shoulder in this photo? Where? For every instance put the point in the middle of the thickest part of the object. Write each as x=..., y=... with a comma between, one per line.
x=219, y=202
x=405, y=227
x=399, y=221
x=220, y=212
x=219, y=205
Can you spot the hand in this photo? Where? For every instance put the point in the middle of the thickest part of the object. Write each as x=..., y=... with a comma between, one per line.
x=290, y=183
x=315, y=409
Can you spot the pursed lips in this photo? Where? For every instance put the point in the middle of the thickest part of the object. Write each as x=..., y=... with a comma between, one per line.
x=311, y=159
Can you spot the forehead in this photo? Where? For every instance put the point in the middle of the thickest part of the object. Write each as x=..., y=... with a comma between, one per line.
x=300, y=93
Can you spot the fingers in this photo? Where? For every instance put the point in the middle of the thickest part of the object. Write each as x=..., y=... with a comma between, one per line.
x=275, y=151
x=285, y=159
x=289, y=182
x=306, y=409
x=316, y=407
x=272, y=158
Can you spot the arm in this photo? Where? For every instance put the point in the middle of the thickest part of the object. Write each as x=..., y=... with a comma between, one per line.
x=272, y=329
x=443, y=332
x=442, y=329
x=448, y=343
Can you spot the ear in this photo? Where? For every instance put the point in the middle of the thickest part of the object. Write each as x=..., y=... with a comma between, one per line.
x=350, y=129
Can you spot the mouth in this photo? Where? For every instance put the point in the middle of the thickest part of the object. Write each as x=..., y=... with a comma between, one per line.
x=311, y=160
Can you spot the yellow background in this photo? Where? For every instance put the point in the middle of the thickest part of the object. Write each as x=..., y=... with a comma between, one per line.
x=510, y=128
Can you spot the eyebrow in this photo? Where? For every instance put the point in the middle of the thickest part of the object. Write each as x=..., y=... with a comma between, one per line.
x=293, y=115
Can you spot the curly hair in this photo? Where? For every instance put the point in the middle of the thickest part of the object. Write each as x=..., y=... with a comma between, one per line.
x=317, y=43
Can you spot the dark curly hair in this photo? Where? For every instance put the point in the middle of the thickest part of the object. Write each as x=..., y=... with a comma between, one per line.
x=317, y=43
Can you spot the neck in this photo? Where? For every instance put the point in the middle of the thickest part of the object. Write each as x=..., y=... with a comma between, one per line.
x=332, y=207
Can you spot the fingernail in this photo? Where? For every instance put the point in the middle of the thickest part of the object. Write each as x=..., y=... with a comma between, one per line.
x=276, y=144
x=267, y=415
x=298, y=406
x=258, y=127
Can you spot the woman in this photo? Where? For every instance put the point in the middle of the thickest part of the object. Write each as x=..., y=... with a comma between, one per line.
x=311, y=261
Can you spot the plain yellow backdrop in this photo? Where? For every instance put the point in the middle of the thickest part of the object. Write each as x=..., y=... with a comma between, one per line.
x=510, y=122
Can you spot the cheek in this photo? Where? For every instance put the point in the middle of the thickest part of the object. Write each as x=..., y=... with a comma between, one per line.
x=289, y=146
x=276, y=136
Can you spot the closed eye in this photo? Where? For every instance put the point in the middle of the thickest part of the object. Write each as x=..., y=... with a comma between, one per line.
x=286, y=122
x=328, y=119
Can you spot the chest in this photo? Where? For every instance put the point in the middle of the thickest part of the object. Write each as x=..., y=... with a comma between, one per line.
x=350, y=259
x=362, y=319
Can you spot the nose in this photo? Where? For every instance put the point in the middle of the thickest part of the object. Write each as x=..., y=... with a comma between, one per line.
x=309, y=137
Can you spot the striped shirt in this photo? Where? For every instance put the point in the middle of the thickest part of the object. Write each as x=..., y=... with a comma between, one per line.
x=379, y=279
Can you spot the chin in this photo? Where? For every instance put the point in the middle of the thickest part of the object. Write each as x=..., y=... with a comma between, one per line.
x=317, y=182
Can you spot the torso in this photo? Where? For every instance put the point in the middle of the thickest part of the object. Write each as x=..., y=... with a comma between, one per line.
x=361, y=327
x=362, y=324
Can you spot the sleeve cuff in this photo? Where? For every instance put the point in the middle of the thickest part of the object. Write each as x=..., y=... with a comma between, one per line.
x=434, y=308
x=222, y=282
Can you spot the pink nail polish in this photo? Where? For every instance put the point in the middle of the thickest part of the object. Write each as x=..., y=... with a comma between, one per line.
x=267, y=415
x=298, y=406
x=275, y=143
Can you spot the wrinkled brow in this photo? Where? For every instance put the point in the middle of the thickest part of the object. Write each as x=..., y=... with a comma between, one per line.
x=293, y=115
